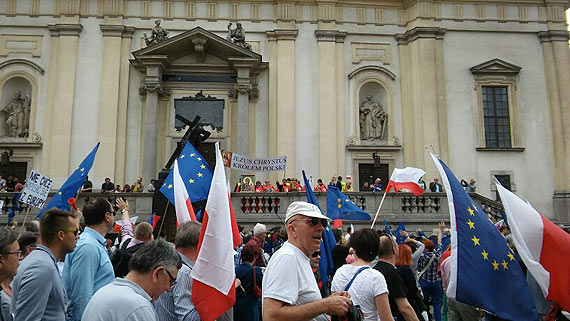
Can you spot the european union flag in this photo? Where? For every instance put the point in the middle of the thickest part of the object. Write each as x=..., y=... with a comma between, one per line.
x=72, y=185
x=339, y=206
x=399, y=238
x=387, y=227
x=484, y=271
x=328, y=242
x=195, y=173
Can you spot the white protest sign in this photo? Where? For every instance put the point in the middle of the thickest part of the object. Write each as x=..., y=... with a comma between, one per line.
x=36, y=190
x=273, y=164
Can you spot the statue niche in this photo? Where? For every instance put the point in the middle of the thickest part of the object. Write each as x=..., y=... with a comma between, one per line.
x=17, y=115
x=373, y=119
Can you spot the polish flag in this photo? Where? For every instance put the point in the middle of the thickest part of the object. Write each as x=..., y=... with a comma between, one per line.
x=542, y=245
x=213, y=275
x=182, y=203
x=406, y=178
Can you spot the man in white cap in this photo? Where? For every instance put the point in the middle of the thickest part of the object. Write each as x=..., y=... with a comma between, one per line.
x=290, y=291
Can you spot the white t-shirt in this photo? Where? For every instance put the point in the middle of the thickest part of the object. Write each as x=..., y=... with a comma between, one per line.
x=289, y=278
x=364, y=289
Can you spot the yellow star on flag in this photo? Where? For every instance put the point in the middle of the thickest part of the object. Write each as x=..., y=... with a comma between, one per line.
x=495, y=265
x=200, y=174
x=199, y=158
x=470, y=211
x=203, y=166
x=339, y=205
x=192, y=155
x=471, y=224
x=485, y=255
x=82, y=169
x=505, y=265
x=182, y=156
x=169, y=186
x=347, y=200
x=191, y=181
x=511, y=257
x=58, y=193
x=475, y=208
x=475, y=240
x=338, y=200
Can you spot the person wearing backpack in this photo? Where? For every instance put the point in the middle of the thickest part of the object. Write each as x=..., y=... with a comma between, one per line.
x=130, y=242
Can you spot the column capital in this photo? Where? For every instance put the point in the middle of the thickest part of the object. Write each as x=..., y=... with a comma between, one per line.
x=330, y=35
x=112, y=30
x=65, y=29
x=281, y=34
x=153, y=87
x=553, y=35
x=420, y=32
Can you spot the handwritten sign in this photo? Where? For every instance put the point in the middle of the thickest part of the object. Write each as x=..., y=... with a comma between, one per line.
x=36, y=190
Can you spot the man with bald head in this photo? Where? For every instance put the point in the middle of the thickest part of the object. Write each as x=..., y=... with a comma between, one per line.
x=290, y=291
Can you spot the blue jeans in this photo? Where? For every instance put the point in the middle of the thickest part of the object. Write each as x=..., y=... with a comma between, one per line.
x=433, y=291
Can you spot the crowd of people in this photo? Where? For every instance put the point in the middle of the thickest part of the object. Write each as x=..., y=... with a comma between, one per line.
x=109, y=187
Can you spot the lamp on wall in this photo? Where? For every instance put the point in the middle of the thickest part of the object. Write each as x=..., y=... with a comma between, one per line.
x=376, y=159
x=5, y=157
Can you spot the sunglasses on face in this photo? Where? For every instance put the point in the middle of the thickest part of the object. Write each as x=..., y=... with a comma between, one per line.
x=316, y=254
x=75, y=231
x=314, y=221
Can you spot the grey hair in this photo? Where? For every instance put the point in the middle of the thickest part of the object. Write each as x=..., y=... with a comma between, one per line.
x=188, y=234
x=153, y=254
x=7, y=238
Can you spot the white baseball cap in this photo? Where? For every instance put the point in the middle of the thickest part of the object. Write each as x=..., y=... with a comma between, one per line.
x=304, y=208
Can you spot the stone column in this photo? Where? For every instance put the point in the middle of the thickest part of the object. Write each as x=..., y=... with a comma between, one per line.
x=242, y=88
x=329, y=114
x=557, y=71
x=150, y=89
x=107, y=124
x=59, y=113
x=282, y=98
x=422, y=85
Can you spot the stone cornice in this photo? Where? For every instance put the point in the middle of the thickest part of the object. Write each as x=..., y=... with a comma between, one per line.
x=65, y=29
x=117, y=31
x=420, y=32
x=281, y=34
x=554, y=35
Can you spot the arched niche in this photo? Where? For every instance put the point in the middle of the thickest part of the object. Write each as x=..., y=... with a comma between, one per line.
x=17, y=92
x=377, y=82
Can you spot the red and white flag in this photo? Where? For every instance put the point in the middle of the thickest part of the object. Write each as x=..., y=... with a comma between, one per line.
x=406, y=178
x=542, y=245
x=182, y=203
x=213, y=275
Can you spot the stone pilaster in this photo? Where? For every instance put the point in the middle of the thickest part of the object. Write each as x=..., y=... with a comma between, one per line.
x=330, y=110
x=243, y=91
x=282, y=96
x=422, y=82
x=557, y=71
x=59, y=113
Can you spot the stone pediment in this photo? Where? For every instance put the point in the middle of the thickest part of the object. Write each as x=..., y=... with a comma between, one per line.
x=196, y=50
x=495, y=66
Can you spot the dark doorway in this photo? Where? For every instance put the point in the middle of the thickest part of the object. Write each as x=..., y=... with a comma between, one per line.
x=16, y=169
x=505, y=181
x=369, y=173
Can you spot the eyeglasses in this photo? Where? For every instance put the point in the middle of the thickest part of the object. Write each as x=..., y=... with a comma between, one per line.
x=317, y=253
x=19, y=252
x=172, y=279
x=314, y=221
x=75, y=231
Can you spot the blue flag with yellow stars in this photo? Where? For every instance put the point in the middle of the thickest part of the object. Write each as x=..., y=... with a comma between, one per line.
x=72, y=185
x=399, y=238
x=484, y=272
x=339, y=206
x=387, y=228
x=195, y=173
x=328, y=242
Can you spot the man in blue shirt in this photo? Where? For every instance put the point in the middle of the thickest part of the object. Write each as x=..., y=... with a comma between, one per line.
x=37, y=290
x=88, y=268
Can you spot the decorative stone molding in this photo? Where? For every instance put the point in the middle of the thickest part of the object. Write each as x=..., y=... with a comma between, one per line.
x=553, y=35
x=362, y=51
x=330, y=35
x=65, y=29
x=153, y=87
x=19, y=61
x=112, y=30
x=281, y=34
x=420, y=32
x=245, y=89
x=21, y=44
x=494, y=67
x=199, y=49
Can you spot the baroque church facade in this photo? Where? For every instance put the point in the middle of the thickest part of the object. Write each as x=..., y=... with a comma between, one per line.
x=341, y=87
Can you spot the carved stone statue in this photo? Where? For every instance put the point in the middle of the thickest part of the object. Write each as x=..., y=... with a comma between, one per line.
x=372, y=120
x=158, y=34
x=17, y=115
x=237, y=36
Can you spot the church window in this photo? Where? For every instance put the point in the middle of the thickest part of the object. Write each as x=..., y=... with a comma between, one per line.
x=496, y=116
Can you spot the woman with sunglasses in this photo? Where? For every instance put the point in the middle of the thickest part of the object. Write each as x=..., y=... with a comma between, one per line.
x=368, y=288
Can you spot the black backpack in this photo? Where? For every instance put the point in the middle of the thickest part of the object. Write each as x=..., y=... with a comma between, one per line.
x=121, y=258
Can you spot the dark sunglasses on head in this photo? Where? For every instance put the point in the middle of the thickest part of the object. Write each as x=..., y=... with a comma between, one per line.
x=317, y=253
